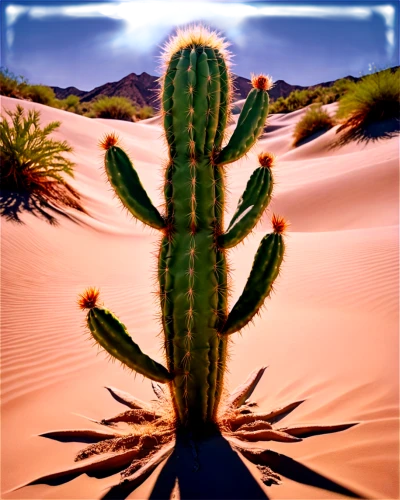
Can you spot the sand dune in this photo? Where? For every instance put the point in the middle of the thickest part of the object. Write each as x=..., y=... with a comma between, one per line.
x=329, y=334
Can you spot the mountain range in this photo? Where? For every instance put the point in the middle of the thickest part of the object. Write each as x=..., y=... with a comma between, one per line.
x=143, y=89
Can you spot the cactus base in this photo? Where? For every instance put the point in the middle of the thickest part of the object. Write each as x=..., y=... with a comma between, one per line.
x=136, y=441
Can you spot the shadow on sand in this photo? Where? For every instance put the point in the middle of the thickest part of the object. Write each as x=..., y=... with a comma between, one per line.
x=371, y=132
x=213, y=469
x=13, y=205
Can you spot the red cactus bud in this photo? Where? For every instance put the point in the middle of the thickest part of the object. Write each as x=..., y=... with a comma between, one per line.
x=88, y=298
x=279, y=224
x=262, y=82
x=108, y=141
x=266, y=160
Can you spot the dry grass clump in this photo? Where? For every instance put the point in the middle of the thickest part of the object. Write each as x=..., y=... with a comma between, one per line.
x=315, y=120
x=41, y=94
x=375, y=98
x=71, y=103
x=32, y=163
x=118, y=108
x=144, y=113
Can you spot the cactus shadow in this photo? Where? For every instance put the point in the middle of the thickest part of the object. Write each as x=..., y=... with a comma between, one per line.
x=68, y=477
x=216, y=472
x=13, y=205
x=213, y=469
x=223, y=475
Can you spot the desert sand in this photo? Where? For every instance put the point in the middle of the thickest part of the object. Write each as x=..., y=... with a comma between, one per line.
x=328, y=334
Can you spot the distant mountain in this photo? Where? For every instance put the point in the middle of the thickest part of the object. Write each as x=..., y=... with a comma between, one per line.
x=63, y=93
x=143, y=89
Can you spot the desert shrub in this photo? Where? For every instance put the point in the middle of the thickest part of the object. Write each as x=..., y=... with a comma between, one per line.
x=70, y=103
x=314, y=120
x=375, y=98
x=12, y=85
x=296, y=100
x=32, y=163
x=299, y=99
x=41, y=94
x=85, y=109
x=278, y=106
x=328, y=95
x=145, y=112
x=337, y=90
x=119, y=108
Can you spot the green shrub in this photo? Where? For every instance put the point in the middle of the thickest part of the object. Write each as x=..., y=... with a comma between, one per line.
x=375, y=98
x=338, y=90
x=71, y=103
x=32, y=163
x=299, y=99
x=85, y=109
x=296, y=100
x=41, y=94
x=145, y=112
x=314, y=120
x=12, y=85
x=118, y=108
x=278, y=106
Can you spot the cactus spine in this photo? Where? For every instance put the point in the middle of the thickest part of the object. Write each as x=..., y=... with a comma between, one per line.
x=192, y=268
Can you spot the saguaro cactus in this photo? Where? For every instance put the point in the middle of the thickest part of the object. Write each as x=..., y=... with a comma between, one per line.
x=192, y=268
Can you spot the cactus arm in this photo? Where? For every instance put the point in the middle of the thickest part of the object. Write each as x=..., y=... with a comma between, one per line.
x=111, y=334
x=126, y=183
x=251, y=206
x=250, y=124
x=265, y=270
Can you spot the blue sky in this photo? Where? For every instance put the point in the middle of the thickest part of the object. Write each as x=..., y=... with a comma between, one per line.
x=86, y=44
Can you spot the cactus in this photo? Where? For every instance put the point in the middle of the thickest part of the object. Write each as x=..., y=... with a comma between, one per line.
x=193, y=281
x=192, y=268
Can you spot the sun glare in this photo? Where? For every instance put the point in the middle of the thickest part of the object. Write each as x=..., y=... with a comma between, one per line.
x=183, y=12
